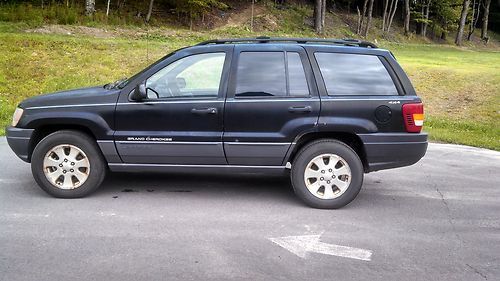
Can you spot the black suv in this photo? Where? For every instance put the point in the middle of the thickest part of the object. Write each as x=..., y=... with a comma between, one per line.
x=328, y=110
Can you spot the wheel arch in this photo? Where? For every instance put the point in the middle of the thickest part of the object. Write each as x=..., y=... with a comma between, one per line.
x=350, y=139
x=45, y=130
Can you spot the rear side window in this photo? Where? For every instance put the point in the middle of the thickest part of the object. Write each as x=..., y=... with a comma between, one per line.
x=354, y=74
x=270, y=74
x=296, y=76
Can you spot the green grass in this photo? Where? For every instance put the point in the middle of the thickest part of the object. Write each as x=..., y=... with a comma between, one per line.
x=58, y=13
x=460, y=89
x=458, y=86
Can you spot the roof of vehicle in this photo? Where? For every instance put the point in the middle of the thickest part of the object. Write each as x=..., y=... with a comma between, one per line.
x=259, y=40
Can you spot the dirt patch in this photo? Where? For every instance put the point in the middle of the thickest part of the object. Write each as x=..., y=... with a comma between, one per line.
x=244, y=15
x=75, y=30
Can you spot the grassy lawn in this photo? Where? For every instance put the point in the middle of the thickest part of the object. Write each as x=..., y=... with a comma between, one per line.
x=460, y=87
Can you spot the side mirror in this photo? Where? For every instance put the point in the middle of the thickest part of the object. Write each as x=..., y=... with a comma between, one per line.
x=139, y=93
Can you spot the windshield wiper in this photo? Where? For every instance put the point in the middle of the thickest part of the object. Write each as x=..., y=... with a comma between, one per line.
x=116, y=84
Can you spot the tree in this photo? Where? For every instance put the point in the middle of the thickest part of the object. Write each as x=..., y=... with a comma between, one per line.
x=323, y=14
x=107, y=7
x=422, y=18
x=89, y=7
x=486, y=12
x=407, y=17
x=392, y=12
x=251, y=17
x=445, y=14
x=426, y=17
x=369, y=21
x=150, y=10
x=196, y=8
x=461, y=23
x=362, y=17
x=318, y=16
x=384, y=14
x=474, y=18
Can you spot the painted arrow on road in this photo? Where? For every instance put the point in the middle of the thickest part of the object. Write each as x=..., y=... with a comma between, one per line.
x=305, y=244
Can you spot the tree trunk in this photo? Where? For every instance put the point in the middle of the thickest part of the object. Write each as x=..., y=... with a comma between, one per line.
x=369, y=21
x=323, y=15
x=384, y=15
x=360, y=27
x=107, y=9
x=427, y=8
x=150, y=10
x=472, y=23
x=395, y=7
x=251, y=19
x=461, y=24
x=484, y=29
x=317, y=16
x=89, y=7
x=474, y=18
x=443, y=35
x=407, y=17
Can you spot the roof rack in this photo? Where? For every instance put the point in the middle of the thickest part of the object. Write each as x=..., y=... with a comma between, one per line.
x=264, y=39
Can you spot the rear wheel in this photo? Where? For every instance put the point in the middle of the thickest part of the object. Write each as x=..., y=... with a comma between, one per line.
x=68, y=164
x=327, y=174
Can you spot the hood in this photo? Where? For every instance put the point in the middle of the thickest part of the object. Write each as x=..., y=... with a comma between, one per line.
x=91, y=95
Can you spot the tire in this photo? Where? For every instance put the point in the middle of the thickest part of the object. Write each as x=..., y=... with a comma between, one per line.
x=86, y=172
x=347, y=173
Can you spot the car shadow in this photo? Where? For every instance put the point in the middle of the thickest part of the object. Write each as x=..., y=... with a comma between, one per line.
x=205, y=184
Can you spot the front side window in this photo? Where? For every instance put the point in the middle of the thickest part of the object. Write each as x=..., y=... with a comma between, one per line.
x=192, y=76
x=354, y=74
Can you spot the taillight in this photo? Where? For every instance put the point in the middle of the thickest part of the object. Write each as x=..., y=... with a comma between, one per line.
x=413, y=113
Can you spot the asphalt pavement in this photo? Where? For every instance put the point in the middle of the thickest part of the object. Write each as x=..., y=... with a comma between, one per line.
x=436, y=220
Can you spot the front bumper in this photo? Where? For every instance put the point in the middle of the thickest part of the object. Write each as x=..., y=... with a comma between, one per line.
x=19, y=141
x=386, y=151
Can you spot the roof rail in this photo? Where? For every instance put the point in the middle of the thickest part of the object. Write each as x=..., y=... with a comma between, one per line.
x=264, y=39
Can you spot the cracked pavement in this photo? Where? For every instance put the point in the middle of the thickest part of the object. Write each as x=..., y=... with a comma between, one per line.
x=436, y=220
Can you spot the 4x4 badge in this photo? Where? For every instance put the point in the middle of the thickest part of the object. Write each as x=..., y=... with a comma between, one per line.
x=394, y=102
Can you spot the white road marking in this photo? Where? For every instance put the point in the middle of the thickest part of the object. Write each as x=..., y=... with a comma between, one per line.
x=24, y=216
x=14, y=180
x=304, y=244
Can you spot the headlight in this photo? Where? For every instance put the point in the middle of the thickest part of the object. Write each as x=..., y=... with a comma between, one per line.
x=17, y=116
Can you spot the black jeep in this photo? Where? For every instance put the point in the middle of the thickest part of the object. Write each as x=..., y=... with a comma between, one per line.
x=328, y=110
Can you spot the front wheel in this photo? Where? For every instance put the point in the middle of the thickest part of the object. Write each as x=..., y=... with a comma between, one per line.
x=327, y=174
x=68, y=164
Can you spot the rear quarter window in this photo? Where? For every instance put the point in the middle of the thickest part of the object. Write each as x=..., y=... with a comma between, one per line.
x=355, y=75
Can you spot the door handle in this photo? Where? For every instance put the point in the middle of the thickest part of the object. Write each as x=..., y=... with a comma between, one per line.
x=300, y=109
x=201, y=111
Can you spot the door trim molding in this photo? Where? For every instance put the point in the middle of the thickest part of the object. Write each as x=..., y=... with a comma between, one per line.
x=130, y=167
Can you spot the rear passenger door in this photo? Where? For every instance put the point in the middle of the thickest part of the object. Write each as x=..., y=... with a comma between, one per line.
x=271, y=100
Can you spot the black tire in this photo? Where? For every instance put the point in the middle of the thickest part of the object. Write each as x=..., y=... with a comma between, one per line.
x=85, y=143
x=314, y=149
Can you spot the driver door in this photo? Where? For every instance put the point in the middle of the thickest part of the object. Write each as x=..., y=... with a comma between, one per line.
x=181, y=121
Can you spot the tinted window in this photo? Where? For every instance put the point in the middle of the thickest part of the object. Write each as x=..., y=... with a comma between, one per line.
x=296, y=75
x=192, y=76
x=352, y=74
x=261, y=74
